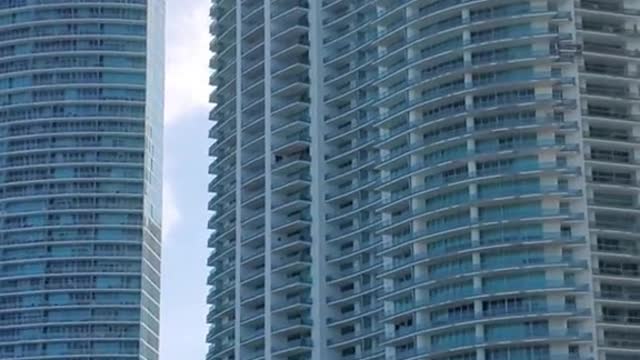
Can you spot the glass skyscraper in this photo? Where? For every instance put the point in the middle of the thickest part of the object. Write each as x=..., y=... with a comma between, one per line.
x=81, y=102
x=425, y=179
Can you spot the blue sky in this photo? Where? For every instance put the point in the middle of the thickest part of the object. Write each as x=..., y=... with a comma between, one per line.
x=183, y=327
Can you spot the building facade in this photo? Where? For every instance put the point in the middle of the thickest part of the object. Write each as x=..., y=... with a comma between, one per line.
x=81, y=103
x=425, y=179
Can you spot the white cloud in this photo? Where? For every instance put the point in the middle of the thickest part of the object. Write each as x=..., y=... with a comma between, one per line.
x=171, y=215
x=188, y=55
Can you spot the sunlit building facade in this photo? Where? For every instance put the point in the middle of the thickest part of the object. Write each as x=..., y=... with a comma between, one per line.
x=81, y=103
x=425, y=179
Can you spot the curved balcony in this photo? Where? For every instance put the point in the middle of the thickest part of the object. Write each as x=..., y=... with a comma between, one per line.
x=626, y=345
x=464, y=296
x=299, y=281
x=603, y=7
x=468, y=224
x=347, y=212
x=540, y=336
x=343, y=275
x=475, y=176
x=344, y=191
x=221, y=348
x=438, y=29
x=499, y=83
x=421, y=147
x=293, y=325
x=381, y=91
x=472, y=270
x=343, y=130
x=458, y=112
x=459, y=26
x=619, y=320
x=342, y=172
x=343, y=254
x=506, y=195
x=610, y=51
x=371, y=224
x=292, y=303
x=352, y=295
x=609, y=94
x=357, y=6
x=505, y=125
x=483, y=245
x=350, y=150
x=253, y=337
x=521, y=313
x=616, y=251
x=293, y=347
x=341, y=340
x=447, y=50
x=458, y=158
x=354, y=314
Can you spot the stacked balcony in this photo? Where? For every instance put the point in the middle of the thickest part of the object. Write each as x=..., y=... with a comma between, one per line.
x=354, y=313
x=80, y=236
x=610, y=104
x=479, y=166
x=253, y=177
x=223, y=223
x=456, y=138
x=290, y=203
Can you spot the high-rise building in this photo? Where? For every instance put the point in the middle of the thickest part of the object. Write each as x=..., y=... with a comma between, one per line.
x=425, y=179
x=81, y=103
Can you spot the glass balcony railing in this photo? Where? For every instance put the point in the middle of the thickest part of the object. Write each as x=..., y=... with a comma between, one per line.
x=524, y=311
x=300, y=300
x=461, y=155
x=618, y=272
x=352, y=251
x=444, y=346
x=291, y=323
x=360, y=205
x=436, y=183
x=465, y=223
x=622, y=249
x=436, y=253
x=616, y=93
x=480, y=149
x=472, y=269
x=354, y=270
x=454, y=111
x=292, y=346
x=354, y=336
x=610, y=50
x=434, y=29
x=292, y=281
x=360, y=226
x=343, y=295
x=605, y=6
x=511, y=55
x=252, y=336
x=489, y=290
x=291, y=261
x=618, y=294
x=291, y=159
x=613, y=157
x=363, y=309
x=507, y=214
x=611, y=342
